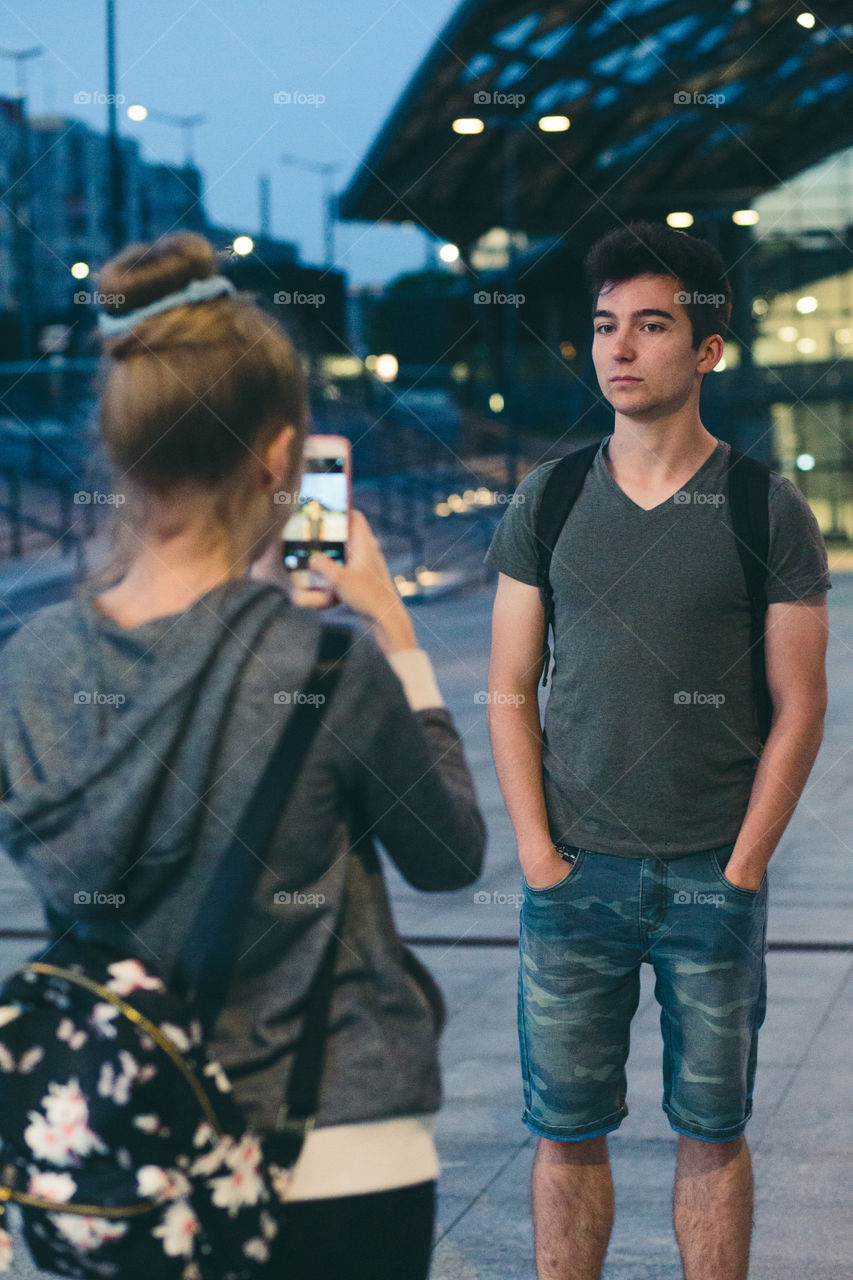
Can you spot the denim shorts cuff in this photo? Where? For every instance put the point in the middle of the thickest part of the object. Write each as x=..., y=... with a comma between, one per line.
x=576, y=1133
x=703, y=1133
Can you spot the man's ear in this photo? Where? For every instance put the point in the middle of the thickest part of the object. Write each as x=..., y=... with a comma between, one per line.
x=710, y=353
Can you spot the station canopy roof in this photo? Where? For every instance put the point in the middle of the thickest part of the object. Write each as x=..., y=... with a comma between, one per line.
x=673, y=104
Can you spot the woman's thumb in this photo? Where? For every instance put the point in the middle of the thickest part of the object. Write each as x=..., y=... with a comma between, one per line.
x=324, y=565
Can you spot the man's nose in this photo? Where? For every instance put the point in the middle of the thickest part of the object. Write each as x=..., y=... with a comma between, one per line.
x=623, y=347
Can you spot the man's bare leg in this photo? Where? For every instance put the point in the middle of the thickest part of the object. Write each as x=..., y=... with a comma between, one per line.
x=712, y=1208
x=572, y=1208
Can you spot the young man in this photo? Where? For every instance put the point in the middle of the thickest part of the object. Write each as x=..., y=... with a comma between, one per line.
x=649, y=774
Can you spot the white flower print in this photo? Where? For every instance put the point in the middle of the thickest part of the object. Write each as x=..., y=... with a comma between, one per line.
x=73, y=1036
x=116, y=1085
x=5, y=1250
x=161, y=1184
x=52, y=1186
x=128, y=976
x=257, y=1249
x=244, y=1185
x=8, y=1013
x=178, y=1230
x=203, y=1135
x=62, y=1134
x=29, y=1061
x=25, y=1064
x=207, y=1164
x=178, y=1037
x=88, y=1233
x=148, y=1124
x=101, y=1018
x=281, y=1180
x=217, y=1073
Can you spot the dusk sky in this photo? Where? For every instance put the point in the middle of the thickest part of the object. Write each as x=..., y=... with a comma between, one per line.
x=227, y=59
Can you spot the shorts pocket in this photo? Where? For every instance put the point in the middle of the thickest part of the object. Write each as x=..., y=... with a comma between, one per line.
x=732, y=888
x=571, y=874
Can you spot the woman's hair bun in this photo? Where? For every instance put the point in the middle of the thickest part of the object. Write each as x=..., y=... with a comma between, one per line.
x=142, y=273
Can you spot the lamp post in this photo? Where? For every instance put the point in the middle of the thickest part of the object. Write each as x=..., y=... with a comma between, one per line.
x=115, y=208
x=185, y=123
x=24, y=286
x=329, y=199
x=512, y=132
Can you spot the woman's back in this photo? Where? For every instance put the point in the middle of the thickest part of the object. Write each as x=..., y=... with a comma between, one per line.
x=145, y=771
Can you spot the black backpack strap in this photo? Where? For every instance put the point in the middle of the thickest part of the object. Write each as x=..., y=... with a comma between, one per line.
x=558, y=497
x=749, y=488
x=208, y=957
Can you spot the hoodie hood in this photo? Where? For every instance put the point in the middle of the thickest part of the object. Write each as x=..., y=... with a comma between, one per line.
x=128, y=793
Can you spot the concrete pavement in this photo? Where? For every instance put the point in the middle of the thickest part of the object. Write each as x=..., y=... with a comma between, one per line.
x=802, y=1125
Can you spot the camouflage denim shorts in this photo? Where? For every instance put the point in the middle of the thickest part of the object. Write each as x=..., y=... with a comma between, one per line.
x=582, y=943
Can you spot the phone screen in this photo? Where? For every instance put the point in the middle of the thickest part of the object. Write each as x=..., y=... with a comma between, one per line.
x=320, y=524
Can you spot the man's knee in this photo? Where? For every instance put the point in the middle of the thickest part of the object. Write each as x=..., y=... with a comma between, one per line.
x=583, y=1151
x=698, y=1153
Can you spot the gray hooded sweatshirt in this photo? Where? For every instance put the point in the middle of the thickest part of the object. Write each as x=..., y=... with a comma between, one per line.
x=126, y=758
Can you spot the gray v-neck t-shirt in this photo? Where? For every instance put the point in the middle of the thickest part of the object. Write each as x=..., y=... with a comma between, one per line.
x=650, y=744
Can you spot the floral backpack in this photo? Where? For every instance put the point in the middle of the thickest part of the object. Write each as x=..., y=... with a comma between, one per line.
x=120, y=1142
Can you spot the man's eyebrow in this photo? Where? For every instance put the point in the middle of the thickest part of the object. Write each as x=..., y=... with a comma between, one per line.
x=646, y=311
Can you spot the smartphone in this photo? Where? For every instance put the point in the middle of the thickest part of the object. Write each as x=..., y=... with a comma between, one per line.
x=321, y=523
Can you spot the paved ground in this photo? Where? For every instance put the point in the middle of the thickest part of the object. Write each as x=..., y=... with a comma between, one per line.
x=801, y=1130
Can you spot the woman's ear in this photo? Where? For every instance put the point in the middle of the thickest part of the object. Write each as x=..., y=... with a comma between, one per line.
x=280, y=459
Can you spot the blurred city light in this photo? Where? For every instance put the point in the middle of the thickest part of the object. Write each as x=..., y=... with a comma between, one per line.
x=80, y=270
x=468, y=124
x=243, y=245
x=386, y=368
x=137, y=112
x=805, y=462
x=806, y=346
x=788, y=333
x=496, y=402
x=554, y=124
x=806, y=304
x=449, y=253
x=806, y=20
x=680, y=219
x=745, y=217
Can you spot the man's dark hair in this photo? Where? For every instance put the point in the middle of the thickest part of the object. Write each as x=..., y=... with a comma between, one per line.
x=644, y=248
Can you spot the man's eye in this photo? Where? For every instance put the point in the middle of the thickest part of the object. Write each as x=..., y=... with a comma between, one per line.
x=604, y=328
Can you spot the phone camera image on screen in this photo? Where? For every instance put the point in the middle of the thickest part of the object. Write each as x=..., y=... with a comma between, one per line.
x=320, y=524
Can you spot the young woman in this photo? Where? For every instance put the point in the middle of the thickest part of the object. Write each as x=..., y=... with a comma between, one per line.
x=137, y=716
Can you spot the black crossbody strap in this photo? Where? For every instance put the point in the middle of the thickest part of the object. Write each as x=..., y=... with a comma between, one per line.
x=749, y=488
x=209, y=954
x=558, y=497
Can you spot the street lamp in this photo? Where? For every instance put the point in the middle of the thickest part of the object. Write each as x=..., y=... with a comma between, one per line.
x=513, y=128
x=329, y=198
x=186, y=124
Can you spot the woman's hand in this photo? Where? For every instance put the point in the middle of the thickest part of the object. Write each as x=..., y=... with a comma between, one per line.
x=363, y=583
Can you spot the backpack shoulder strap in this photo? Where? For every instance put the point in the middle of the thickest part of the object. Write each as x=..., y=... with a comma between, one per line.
x=209, y=953
x=558, y=497
x=749, y=489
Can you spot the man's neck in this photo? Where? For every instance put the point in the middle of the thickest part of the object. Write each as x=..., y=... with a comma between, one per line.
x=658, y=451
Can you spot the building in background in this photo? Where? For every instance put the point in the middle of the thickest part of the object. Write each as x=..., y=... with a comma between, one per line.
x=531, y=129
x=56, y=217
